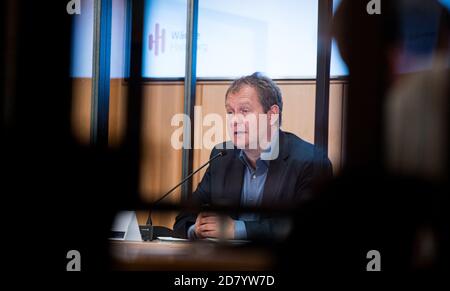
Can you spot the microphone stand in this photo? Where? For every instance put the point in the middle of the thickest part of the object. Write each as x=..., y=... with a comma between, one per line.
x=147, y=229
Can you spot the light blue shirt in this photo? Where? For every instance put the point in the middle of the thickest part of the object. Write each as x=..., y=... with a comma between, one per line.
x=252, y=192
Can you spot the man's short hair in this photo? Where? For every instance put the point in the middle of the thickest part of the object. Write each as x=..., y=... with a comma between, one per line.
x=268, y=92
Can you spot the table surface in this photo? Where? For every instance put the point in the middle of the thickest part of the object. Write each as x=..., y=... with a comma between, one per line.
x=165, y=255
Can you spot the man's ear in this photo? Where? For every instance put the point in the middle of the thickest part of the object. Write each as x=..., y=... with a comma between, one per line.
x=274, y=114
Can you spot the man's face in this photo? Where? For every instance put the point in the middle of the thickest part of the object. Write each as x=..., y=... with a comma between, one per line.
x=243, y=110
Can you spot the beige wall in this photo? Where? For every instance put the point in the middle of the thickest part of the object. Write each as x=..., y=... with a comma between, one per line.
x=161, y=165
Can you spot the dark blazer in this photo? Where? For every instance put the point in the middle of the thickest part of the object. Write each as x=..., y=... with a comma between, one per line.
x=288, y=181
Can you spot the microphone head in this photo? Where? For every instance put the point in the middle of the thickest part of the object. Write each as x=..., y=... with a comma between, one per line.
x=223, y=152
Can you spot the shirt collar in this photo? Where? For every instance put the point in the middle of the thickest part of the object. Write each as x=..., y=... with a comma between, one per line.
x=259, y=162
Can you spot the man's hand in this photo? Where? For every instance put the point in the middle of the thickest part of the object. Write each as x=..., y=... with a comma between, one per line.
x=210, y=224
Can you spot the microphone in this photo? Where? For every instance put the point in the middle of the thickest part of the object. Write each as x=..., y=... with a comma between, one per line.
x=146, y=228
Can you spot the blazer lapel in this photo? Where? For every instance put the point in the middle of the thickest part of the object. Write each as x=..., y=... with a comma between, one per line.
x=276, y=175
x=233, y=181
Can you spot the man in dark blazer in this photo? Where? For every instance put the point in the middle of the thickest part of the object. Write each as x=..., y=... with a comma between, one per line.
x=279, y=173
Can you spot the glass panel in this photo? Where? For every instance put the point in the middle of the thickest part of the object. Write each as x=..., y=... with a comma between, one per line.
x=278, y=38
x=164, y=38
x=235, y=38
x=81, y=71
x=119, y=70
x=337, y=66
x=337, y=101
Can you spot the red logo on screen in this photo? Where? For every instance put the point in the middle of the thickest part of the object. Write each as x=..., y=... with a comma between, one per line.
x=157, y=40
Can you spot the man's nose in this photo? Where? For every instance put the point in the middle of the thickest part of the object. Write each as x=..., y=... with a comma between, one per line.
x=236, y=119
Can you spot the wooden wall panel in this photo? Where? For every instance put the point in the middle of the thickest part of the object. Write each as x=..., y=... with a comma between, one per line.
x=335, y=125
x=117, y=111
x=298, y=108
x=81, y=109
x=160, y=163
x=211, y=98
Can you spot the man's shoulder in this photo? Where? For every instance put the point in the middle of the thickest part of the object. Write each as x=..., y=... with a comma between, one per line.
x=301, y=149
